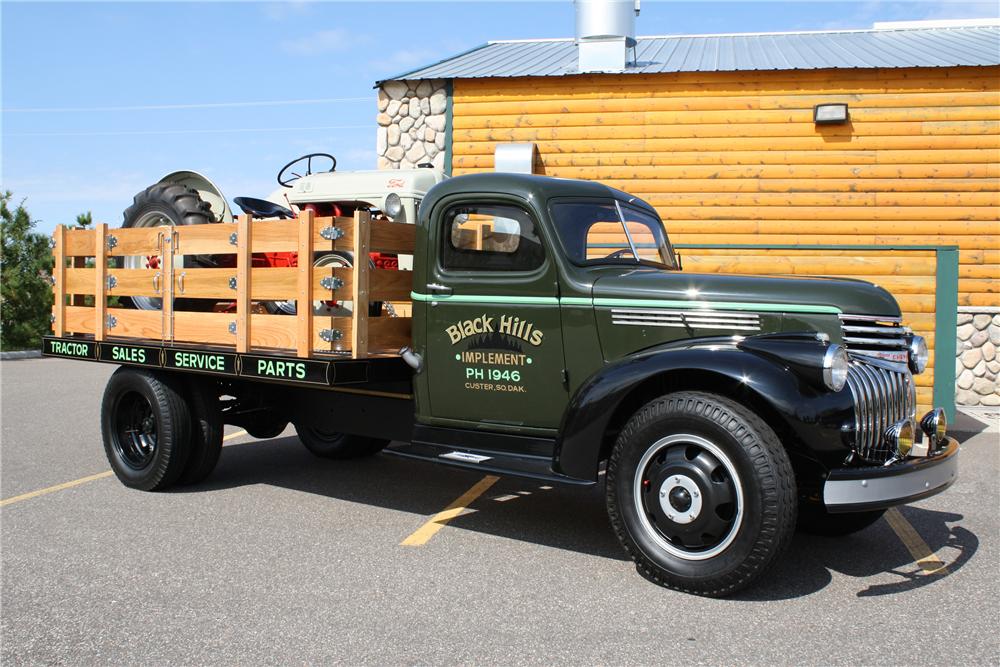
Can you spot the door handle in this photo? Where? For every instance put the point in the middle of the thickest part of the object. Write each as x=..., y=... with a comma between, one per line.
x=442, y=290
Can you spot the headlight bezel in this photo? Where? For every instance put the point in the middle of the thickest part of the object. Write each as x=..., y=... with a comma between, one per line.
x=393, y=206
x=836, y=365
x=917, y=354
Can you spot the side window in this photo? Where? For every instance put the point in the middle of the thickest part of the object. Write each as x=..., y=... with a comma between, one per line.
x=490, y=237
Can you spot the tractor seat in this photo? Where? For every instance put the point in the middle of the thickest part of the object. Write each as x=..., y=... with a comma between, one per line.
x=261, y=208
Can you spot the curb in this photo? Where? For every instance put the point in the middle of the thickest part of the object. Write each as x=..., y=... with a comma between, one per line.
x=20, y=354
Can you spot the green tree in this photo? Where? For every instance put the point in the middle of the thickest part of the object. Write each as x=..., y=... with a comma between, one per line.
x=25, y=267
x=84, y=220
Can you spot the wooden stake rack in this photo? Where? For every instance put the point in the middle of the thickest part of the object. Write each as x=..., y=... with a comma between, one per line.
x=89, y=262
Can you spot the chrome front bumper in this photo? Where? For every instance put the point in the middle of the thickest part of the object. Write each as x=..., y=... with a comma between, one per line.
x=860, y=489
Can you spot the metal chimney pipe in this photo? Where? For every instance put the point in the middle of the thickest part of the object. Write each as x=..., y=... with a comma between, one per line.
x=605, y=31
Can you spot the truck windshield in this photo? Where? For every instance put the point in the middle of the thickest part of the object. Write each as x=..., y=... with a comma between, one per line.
x=611, y=232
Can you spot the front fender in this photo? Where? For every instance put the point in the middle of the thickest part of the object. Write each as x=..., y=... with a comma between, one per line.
x=812, y=420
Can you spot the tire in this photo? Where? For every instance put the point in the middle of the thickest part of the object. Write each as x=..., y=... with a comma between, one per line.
x=206, y=436
x=677, y=459
x=336, y=259
x=167, y=204
x=814, y=519
x=146, y=428
x=332, y=445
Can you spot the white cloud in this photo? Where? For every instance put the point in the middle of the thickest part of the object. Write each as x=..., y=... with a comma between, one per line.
x=324, y=41
x=962, y=10
x=286, y=9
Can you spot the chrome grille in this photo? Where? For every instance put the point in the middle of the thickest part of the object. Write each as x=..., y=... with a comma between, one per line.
x=875, y=336
x=687, y=319
x=883, y=393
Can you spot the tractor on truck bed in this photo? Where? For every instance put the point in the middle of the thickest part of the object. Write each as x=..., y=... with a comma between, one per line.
x=545, y=329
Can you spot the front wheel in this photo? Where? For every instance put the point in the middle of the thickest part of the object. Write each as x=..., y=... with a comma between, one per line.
x=700, y=493
x=329, y=444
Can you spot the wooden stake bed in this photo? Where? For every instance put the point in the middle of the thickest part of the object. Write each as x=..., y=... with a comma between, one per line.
x=90, y=262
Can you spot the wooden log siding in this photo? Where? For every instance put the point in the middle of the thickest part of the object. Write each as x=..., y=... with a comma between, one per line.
x=735, y=158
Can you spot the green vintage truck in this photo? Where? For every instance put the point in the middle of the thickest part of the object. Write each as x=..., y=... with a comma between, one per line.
x=556, y=336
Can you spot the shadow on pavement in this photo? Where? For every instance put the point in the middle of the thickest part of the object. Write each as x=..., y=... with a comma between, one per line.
x=574, y=518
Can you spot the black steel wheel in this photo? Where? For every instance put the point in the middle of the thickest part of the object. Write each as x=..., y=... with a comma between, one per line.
x=329, y=444
x=146, y=428
x=813, y=518
x=700, y=493
x=207, y=434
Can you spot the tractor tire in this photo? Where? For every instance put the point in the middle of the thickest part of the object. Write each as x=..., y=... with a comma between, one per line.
x=333, y=445
x=701, y=493
x=168, y=204
x=814, y=519
x=206, y=437
x=146, y=428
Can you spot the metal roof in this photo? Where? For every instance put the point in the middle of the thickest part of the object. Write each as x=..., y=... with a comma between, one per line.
x=913, y=47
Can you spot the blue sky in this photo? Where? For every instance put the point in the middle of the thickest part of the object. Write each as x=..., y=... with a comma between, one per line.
x=68, y=69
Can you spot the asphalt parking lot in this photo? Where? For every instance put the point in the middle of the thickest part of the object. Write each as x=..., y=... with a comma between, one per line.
x=280, y=557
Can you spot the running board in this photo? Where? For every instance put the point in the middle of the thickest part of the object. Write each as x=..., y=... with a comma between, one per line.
x=501, y=463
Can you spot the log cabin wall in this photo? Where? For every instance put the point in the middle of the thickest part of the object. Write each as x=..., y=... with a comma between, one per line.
x=735, y=158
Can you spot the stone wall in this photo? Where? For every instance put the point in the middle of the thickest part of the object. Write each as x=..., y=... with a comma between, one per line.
x=978, y=364
x=411, y=123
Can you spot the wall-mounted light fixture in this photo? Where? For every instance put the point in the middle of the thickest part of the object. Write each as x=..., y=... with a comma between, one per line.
x=830, y=114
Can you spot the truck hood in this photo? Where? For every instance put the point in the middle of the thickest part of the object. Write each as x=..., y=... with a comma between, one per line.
x=763, y=293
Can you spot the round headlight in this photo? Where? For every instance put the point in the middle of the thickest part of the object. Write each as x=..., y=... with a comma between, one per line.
x=393, y=205
x=918, y=354
x=835, y=365
x=901, y=435
x=935, y=425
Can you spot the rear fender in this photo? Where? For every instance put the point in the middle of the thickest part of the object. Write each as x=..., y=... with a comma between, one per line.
x=811, y=421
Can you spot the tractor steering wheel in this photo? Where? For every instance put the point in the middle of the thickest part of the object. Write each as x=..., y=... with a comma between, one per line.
x=286, y=181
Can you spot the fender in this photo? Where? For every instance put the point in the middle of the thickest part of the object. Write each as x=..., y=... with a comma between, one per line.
x=820, y=421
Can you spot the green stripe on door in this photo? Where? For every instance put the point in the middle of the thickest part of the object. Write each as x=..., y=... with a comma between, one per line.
x=627, y=303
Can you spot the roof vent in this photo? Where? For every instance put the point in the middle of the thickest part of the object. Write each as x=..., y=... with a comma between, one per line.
x=605, y=33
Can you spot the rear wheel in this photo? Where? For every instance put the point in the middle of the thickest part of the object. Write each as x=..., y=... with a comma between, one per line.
x=701, y=493
x=329, y=444
x=146, y=428
x=165, y=204
x=814, y=518
x=206, y=437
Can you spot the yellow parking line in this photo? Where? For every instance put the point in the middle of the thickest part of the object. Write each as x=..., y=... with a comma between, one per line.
x=423, y=534
x=53, y=489
x=922, y=554
x=83, y=480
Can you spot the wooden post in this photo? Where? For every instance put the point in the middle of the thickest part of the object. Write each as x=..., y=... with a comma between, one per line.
x=359, y=318
x=100, y=280
x=167, y=268
x=59, y=276
x=244, y=262
x=304, y=300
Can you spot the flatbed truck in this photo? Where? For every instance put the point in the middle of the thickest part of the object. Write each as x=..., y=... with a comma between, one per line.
x=546, y=330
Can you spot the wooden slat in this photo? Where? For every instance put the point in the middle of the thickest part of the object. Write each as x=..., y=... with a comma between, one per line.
x=100, y=279
x=79, y=242
x=304, y=305
x=61, y=286
x=142, y=324
x=168, y=266
x=393, y=237
x=391, y=285
x=244, y=261
x=360, y=292
x=389, y=334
